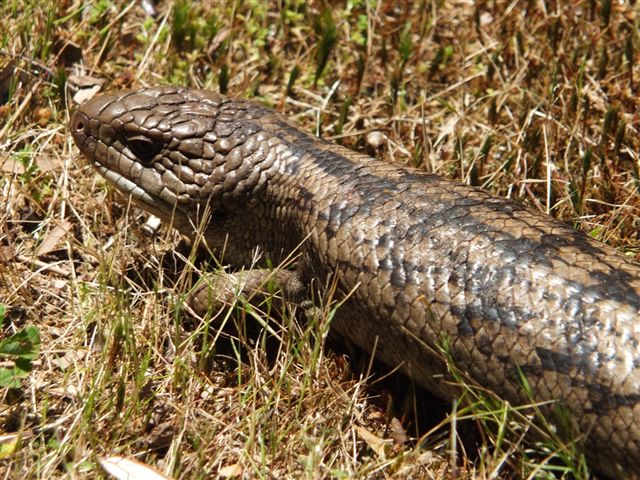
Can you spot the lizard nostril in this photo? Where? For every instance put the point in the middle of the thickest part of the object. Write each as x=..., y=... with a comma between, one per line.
x=78, y=123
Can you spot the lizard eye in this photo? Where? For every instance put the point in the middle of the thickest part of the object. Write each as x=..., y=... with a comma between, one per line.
x=144, y=148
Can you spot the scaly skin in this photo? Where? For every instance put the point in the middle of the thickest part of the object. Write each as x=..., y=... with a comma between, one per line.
x=510, y=288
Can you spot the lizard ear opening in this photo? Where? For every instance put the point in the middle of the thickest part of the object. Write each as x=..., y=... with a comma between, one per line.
x=144, y=148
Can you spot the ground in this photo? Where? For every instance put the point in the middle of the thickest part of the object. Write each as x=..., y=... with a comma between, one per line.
x=535, y=101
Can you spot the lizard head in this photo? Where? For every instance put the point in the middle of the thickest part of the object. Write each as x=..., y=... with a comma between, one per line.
x=188, y=156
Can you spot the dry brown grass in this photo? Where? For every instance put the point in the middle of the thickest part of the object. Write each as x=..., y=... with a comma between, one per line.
x=531, y=100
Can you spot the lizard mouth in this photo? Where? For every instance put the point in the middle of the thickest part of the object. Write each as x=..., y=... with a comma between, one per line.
x=154, y=204
x=128, y=187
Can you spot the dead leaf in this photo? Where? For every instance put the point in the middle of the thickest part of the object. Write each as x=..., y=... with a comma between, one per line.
x=447, y=128
x=217, y=41
x=127, y=469
x=375, y=139
x=85, y=86
x=53, y=238
x=377, y=444
x=9, y=445
x=47, y=163
x=7, y=449
x=149, y=8
x=85, y=94
x=69, y=358
x=42, y=115
x=398, y=433
x=7, y=254
x=84, y=81
x=44, y=162
x=234, y=470
x=11, y=165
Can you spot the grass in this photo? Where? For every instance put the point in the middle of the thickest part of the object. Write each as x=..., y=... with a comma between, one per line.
x=529, y=100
